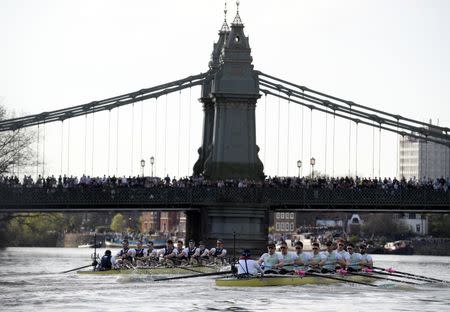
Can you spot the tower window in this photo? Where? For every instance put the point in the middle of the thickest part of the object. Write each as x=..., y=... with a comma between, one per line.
x=237, y=39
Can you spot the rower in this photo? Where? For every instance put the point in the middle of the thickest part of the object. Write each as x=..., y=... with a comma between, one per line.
x=217, y=254
x=345, y=257
x=168, y=253
x=201, y=255
x=287, y=266
x=368, y=262
x=180, y=256
x=316, y=258
x=303, y=258
x=189, y=251
x=270, y=259
x=330, y=259
x=124, y=257
x=105, y=262
x=355, y=261
x=138, y=254
x=247, y=266
x=151, y=255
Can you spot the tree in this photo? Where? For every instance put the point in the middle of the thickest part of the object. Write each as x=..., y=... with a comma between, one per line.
x=440, y=225
x=117, y=223
x=381, y=224
x=15, y=147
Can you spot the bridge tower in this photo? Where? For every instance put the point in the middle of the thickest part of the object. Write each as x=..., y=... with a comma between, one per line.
x=229, y=149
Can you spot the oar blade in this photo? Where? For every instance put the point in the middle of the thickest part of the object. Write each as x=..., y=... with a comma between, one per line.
x=191, y=276
x=89, y=265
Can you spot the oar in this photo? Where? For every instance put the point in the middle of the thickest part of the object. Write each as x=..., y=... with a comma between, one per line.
x=77, y=268
x=405, y=276
x=192, y=276
x=390, y=270
x=338, y=279
x=382, y=278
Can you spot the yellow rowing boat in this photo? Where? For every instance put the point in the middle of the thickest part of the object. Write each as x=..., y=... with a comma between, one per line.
x=290, y=280
x=157, y=270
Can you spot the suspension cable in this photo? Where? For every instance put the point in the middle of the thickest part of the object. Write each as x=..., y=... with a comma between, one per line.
x=356, y=150
x=265, y=125
x=287, y=146
x=117, y=144
x=310, y=142
x=37, y=152
x=93, y=143
x=68, y=146
x=179, y=134
x=379, y=153
x=165, y=139
x=302, y=135
x=334, y=136
x=142, y=123
x=132, y=137
x=278, y=141
x=43, y=153
x=349, y=141
x=373, y=150
x=156, y=130
x=85, y=141
x=326, y=140
x=398, y=151
x=109, y=139
x=426, y=159
x=189, y=132
x=62, y=148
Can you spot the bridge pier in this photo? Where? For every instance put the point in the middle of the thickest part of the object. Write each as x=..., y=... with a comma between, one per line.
x=250, y=225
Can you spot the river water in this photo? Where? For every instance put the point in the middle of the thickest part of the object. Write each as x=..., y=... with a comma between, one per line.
x=30, y=279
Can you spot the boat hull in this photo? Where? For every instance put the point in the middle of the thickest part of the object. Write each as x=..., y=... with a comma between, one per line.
x=288, y=280
x=157, y=270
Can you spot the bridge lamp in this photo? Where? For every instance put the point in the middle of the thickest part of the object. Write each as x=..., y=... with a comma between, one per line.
x=299, y=165
x=142, y=166
x=312, y=162
x=152, y=161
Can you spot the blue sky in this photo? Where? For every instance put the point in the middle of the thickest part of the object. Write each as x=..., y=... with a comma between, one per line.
x=389, y=55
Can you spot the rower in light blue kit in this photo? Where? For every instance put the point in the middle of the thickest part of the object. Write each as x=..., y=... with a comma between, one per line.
x=303, y=258
x=355, y=260
x=270, y=260
x=287, y=266
x=330, y=259
x=368, y=262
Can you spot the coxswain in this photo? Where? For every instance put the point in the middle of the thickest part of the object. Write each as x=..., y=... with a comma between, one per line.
x=287, y=266
x=105, y=262
x=217, y=254
x=330, y=259
x=270, y=259
x=368, y=262
x=303, y=258
x=355, y=260
x=247, y=266
x=201, y=255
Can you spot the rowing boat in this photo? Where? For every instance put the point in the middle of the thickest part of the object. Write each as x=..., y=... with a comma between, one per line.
x=289, y=280
x=158, y=270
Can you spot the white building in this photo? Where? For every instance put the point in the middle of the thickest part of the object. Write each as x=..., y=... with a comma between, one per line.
x=417, y=223
x=285, y=222
x=419, y=159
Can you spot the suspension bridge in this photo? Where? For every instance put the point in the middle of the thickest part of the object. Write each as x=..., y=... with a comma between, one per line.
x=230, y=90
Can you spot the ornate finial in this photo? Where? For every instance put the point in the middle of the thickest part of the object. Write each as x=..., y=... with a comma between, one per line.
x=225, y=27
x=237, y=19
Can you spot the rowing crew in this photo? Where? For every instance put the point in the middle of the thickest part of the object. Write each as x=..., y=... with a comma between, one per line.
x=287, y=262
x=168, y=256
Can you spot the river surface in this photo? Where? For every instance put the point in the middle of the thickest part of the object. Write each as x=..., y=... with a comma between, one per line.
x=30, y=279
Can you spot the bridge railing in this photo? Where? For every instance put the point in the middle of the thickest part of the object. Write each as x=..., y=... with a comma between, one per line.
x=11, y=197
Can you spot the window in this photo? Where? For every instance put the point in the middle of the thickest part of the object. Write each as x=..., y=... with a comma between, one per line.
x=292, y=216
x=412, y=215
x=292, y=227
x=418, y=228
x=282, y=226
x=277, y=226
x=287, y=226
x=277, y=215
x=282, y=215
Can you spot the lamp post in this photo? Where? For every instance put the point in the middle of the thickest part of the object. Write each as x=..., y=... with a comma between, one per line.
x=152, y=161
x=312, y=162
x=299, y=165
x=142, y=166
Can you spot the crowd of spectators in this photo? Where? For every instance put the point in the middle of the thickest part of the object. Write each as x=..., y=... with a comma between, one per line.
x=199, y=181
